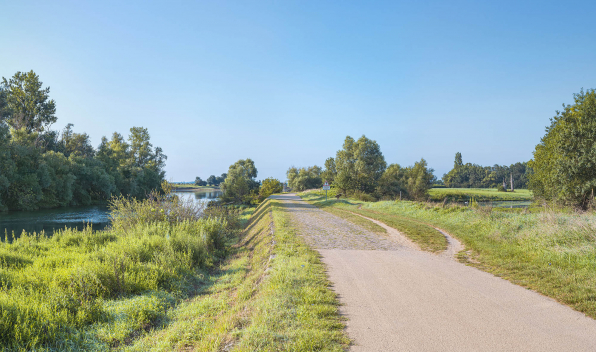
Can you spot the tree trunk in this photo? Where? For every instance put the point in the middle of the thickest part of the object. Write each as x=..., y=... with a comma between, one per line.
x=511, y=181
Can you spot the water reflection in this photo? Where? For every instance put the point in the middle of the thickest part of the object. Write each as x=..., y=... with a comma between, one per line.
x=49, y=220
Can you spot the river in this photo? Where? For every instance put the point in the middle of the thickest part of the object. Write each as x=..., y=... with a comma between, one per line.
x=49, y=220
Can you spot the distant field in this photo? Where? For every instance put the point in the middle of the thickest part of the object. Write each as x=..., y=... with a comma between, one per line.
x=191, y=186
x=479, y=194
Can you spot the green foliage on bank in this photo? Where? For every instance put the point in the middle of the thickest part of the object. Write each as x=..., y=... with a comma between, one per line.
x=43, y=168
x=470, y=175
x=563, y=163
x=86, y=290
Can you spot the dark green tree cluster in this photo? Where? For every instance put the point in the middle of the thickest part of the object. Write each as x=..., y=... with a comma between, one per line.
x=211, y=180
x=42, y=168
x=476, y=176
x=360, y=168
x=564, y=162
x=300, y=179
x=240, y=185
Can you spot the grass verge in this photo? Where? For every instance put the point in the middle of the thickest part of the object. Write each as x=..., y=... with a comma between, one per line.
x=478, y=194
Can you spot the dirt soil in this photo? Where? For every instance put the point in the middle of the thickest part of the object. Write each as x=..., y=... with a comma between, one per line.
x=398, y=298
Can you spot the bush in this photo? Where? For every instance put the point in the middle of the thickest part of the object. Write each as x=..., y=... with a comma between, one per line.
x=500, y=188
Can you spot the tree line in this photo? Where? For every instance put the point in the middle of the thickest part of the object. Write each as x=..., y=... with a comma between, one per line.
x=211, y=180
x=45, y=168
x=359, y=169
x=476, y=176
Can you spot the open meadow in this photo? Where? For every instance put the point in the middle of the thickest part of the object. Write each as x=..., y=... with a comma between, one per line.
x=478, y=194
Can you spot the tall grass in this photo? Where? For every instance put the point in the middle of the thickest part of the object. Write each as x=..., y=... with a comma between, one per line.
x=479, y=194
x=87, y=290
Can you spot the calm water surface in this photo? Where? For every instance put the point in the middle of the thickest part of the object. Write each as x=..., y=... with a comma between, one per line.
x=49, y=220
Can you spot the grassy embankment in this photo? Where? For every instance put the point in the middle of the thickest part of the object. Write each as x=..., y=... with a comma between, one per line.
x=553, y=253
x=272, y=295
x=478, y=194
x=159, y=286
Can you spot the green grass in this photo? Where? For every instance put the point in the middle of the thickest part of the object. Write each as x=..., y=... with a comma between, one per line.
x=479, y=194
x=271, y=295
x=428, y=238
x=183, y=186
x=86, y=290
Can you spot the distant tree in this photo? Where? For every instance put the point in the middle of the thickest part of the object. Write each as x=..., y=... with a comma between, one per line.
x=300, y=179
x=563, y=165
x=393, y=182
x=200, y=182
x=330, y=171
x=360, y=165
x=420, y=179
x=212, y=180
x=221, y=178
x=27, y=105
x=458, y=161
x=77, y=144
x=268, y=187
x=240, y=185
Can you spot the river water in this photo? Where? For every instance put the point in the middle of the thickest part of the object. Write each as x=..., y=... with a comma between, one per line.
x=49, y=220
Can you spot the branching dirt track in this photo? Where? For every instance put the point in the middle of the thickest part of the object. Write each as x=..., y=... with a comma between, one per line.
x=397, y=298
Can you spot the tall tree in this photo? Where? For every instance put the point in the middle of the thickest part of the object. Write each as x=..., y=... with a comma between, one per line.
x=240, y=186
x=330, y=171
x=564, y=167
x=28, y=105
x=360, y=165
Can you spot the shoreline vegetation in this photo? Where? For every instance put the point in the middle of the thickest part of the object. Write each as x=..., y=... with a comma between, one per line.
x=549, y=251
x=183, y=187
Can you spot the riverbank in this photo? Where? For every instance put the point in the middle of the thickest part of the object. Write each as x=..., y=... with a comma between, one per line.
x=553, y=253
x=182, y=187
x=147, y=285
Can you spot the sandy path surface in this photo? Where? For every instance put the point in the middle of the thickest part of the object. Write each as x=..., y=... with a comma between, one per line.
x=400, y=299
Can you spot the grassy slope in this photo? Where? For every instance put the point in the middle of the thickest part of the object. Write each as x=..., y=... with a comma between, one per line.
x=425, y=236
x=479, y=194
x=271, y=295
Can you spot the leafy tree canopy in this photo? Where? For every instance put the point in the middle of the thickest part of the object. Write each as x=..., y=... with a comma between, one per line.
x=564, y=163
x=27, y=104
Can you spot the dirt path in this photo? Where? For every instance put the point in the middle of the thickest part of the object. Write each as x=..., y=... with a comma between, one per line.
x=400, y=299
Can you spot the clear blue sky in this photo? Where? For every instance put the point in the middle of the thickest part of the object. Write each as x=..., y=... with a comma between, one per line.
x=284, y=82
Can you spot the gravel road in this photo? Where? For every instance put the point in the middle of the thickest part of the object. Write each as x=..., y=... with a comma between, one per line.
x=397, y=298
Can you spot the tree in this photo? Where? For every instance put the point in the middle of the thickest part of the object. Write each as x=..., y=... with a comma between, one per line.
x=359, y=165
x=240, y=185
x=393, y=182
x=564, y=167
x=27, y=104
x=221, y=178
x=304, y=178
x=200, y=182
x=212, y=180
x=420, y=179
x=77, y=144
x=269, y=186
x=330, y=171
